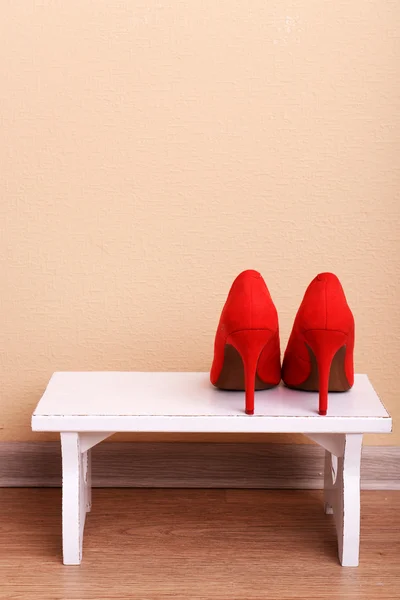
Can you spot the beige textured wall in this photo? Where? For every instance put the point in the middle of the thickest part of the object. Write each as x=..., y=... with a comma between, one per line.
x=152, y=149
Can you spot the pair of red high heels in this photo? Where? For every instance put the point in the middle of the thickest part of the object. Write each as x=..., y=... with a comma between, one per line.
x=319, y=354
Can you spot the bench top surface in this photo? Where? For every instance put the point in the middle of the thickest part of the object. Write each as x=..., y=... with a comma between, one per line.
x=187, y=402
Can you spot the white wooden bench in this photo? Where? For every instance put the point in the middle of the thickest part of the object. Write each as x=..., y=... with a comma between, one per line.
x=86, y=408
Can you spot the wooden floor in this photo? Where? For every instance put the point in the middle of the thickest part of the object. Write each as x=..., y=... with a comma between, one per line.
x=196, y=544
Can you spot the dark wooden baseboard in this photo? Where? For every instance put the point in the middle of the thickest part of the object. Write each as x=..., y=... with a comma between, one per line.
x=194, y=465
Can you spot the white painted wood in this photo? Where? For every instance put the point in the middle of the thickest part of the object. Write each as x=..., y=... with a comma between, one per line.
x=186, y=402
x=330, y=474
x=334, y=442
x=87, y=478
x=89, y=440
x=88, y=407
x=73, y=499
x=342, y=496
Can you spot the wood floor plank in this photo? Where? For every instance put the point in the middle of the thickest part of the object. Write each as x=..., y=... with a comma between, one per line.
x=161, y=544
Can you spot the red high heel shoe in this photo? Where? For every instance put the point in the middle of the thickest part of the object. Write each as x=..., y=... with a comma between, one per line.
x=247, y=351
x=319, y=354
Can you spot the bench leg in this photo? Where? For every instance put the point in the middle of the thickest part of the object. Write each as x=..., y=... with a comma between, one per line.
x=330, y=473
x=87, y=477
x=74, y=498
x=342, y=497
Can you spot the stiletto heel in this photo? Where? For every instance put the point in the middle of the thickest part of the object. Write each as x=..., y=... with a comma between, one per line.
x=324, y=345
x=250, y=343
x=319, y=354
x=246, y=350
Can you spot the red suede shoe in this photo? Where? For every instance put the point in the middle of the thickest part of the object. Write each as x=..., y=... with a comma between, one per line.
x=246, y=351
x=319, y=354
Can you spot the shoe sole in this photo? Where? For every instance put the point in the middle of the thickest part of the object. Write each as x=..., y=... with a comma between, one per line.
x=232, y=374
